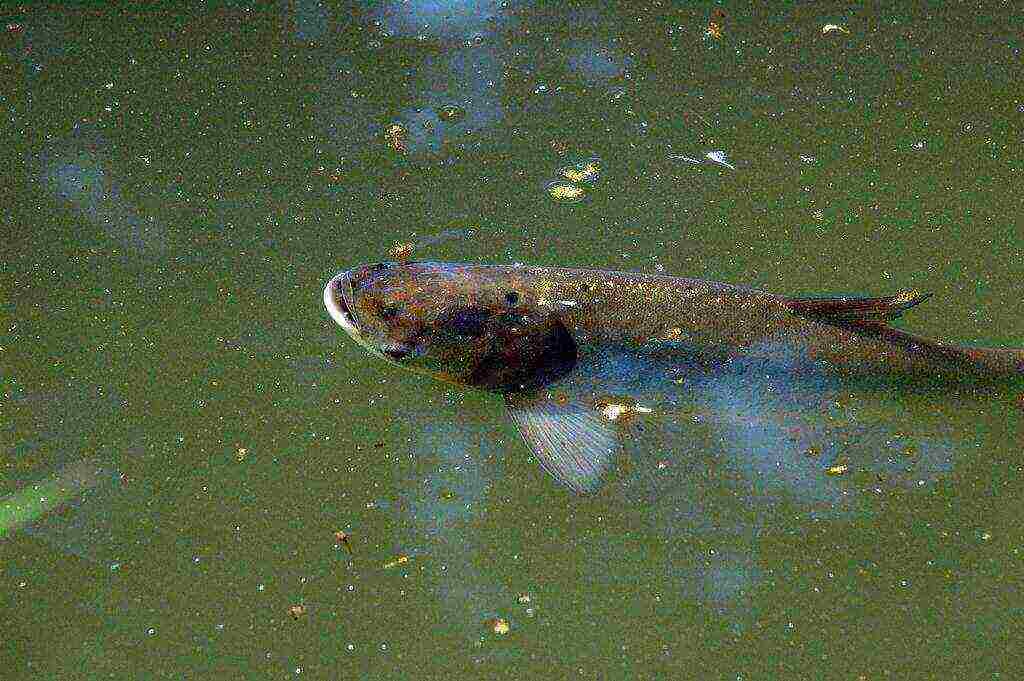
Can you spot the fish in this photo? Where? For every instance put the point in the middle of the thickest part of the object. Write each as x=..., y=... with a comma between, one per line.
x=541, y=339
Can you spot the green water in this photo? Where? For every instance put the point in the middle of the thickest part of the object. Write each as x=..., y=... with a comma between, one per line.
x=180, y=184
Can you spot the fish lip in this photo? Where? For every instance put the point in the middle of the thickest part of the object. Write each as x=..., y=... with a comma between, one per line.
x=338, y=301
x=337, y=307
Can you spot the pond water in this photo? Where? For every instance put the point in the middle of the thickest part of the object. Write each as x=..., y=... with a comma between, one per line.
x=180, y=185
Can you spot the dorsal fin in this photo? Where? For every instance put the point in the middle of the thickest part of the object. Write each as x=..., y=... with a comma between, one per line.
x=849, y=310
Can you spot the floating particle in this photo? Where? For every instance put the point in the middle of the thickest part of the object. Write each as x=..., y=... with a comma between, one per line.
x=719, y=157
x=241, y=453
x=401, y=250
x=297, y=611
x=399, y=560
x=688, y=159
x=560, y=147
x=614, y=411
x=838, y=469
x=498, y=626
x=829, y=28
x=565, y=192
x=342, y=537
x=523, y=598
x=450, y=113
x=673, y=334
x=713, y=31
x=583, y=172
x=394, y=137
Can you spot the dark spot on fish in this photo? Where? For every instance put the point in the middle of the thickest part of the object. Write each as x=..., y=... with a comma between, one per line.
x=469, y=321
x=512, y=298
x=543, y=354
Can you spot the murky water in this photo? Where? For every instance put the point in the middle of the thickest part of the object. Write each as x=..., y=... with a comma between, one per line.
x=180, y=186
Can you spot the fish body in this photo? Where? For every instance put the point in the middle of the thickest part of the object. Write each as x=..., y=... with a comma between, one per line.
x=527, y=333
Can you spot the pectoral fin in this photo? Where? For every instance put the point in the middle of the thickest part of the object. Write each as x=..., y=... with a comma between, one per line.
x=856, y=310
x=570, y=438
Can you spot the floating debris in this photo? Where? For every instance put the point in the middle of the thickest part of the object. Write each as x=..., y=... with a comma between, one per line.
x=673, y=334
x=297, y=611
x=240, y=454
x=401, y=250
x=498, y=626
x=837, y=469
x=523, y=598
x=450, y=113
x=585, y=172
x=341, y=536
x=719, y=157
x=399, y=560
x=829, y=28
x=31, y=502
x=688, y=159
x=614, y=411
x=560, y=147
x=394, y=137
x=713, y=31
x=565, y=192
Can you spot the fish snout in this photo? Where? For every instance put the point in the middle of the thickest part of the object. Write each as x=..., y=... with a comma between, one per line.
x=338, y=301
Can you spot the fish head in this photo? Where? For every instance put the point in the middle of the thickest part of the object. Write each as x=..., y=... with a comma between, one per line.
x=471, y=325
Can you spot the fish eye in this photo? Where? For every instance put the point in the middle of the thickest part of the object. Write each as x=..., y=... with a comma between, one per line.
x=511, y=297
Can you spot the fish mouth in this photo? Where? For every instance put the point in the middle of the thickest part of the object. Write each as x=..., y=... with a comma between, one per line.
x=338, y=301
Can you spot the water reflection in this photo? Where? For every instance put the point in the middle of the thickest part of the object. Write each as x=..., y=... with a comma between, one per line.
x=456, y=467
x=451, y=19
x=83, y=177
